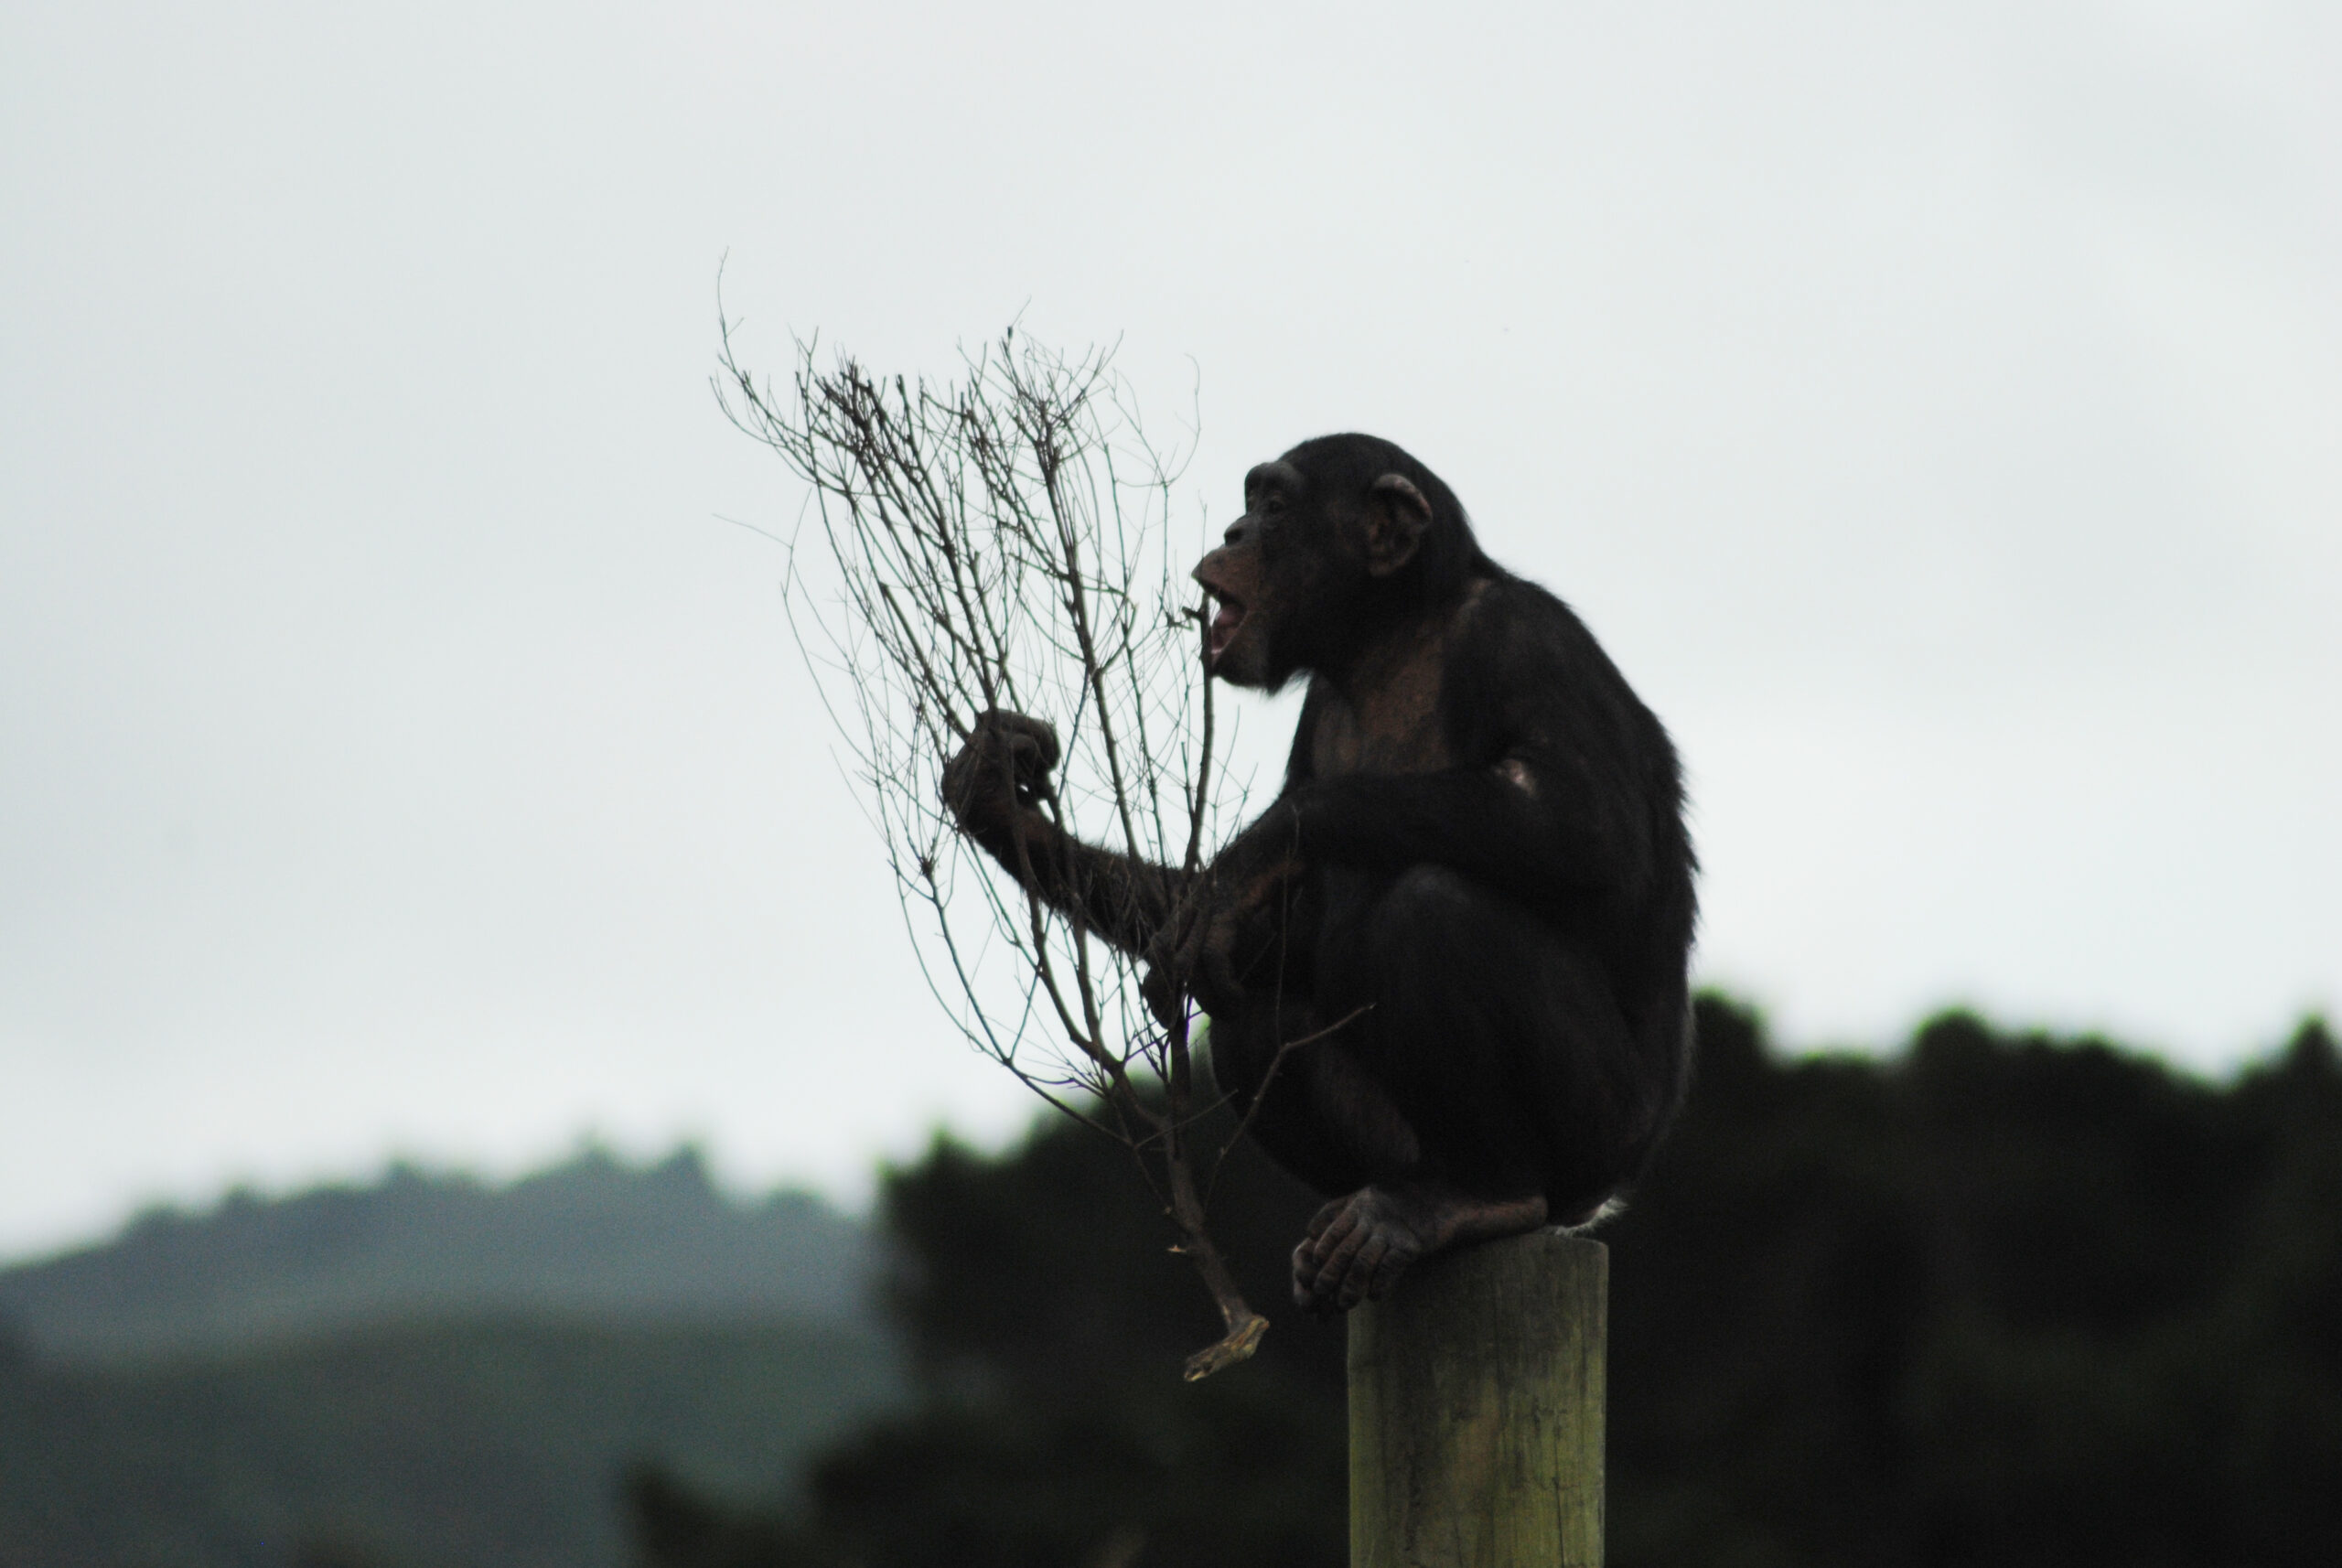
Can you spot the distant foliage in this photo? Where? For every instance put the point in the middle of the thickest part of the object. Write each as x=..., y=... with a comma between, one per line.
x=2005, y=1300
x=1998, y=1301
x=1032, y=1294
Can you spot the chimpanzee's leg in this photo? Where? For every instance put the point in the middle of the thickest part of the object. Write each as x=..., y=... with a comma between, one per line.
x=1283, y=1096
x=1494, y=1039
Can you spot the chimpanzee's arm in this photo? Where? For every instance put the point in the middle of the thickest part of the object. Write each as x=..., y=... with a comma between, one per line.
x=1552, y=834
x=1556, y=791
x=1125, y=900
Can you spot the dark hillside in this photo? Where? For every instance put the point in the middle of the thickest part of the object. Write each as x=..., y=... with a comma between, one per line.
x=473, y=1445
x=426, y=1371
x=592, y=1238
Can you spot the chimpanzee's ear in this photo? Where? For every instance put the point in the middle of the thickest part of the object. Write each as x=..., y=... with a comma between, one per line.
x=1396, y=516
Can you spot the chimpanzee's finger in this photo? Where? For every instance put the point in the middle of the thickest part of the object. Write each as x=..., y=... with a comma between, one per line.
x=1394, y=1262
x=1022, y=732
x=1360, y=1275
x=1338, y=1247
x=1163, y=997
x=1305, y=1277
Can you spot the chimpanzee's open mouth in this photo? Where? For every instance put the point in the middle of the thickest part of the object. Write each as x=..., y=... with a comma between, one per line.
x=1223, y=627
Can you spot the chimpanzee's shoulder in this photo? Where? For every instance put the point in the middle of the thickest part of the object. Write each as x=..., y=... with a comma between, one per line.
x=1525, y=653
x=1512, y=613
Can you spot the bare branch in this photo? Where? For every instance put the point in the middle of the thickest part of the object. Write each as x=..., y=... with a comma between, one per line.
x=1003, y=539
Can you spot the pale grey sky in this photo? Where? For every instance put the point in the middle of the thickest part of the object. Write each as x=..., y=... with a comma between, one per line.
x=1937, y=410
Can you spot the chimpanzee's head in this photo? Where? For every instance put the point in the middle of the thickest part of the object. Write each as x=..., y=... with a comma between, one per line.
x=1339, y=537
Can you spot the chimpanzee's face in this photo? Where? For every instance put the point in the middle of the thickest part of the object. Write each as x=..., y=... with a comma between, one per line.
x=1261, y=578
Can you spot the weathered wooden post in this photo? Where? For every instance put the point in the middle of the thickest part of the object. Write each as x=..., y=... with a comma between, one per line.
x=1476, y=1410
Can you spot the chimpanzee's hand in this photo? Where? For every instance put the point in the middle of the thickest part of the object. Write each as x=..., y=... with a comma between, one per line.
x=1003, y=770
x=1190, y=956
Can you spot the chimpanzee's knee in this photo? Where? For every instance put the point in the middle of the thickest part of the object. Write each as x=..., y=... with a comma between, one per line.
x=1496, y=1033
x=1427, y=907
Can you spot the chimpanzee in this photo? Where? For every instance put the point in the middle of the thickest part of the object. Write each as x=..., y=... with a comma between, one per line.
x=1449, y=962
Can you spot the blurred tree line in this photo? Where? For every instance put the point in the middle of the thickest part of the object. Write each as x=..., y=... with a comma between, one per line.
x=2004, y=1300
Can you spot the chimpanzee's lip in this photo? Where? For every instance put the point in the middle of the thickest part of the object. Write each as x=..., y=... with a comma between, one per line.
x=1224, y=625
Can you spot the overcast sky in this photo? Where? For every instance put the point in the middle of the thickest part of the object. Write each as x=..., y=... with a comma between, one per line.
x=1937, y=410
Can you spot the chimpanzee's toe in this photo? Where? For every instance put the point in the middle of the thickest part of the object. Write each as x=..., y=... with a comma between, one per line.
x=1357, y=1248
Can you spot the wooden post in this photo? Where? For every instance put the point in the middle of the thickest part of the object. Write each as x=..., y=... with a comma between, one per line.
x=1476, y=1410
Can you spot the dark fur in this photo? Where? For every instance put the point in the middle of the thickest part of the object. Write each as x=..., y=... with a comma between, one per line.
x=1479, y=851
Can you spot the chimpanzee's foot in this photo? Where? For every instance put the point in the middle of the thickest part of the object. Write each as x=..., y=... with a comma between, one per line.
x=1358, y=1246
